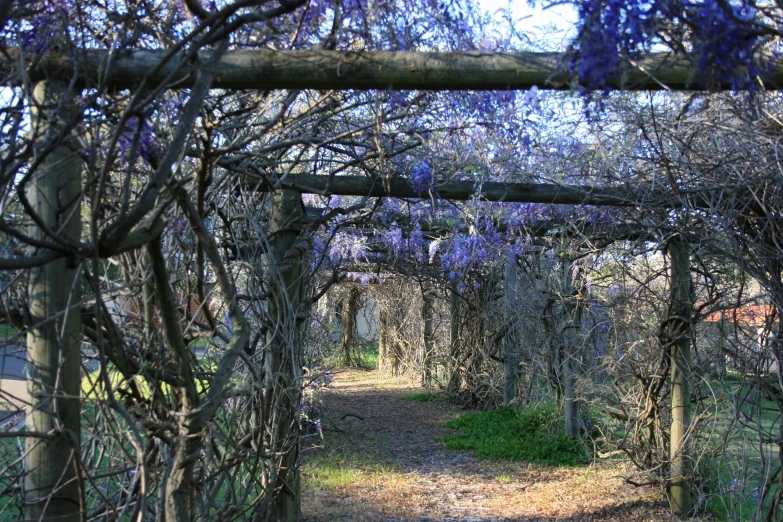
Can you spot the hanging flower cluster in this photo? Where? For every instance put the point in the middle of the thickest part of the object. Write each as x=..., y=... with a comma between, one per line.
x=347, y=246
x=718, y=34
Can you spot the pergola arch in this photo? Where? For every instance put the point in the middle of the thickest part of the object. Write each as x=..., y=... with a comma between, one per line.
x=368, y=70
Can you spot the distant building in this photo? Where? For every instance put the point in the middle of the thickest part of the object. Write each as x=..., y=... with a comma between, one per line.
x=742, y=336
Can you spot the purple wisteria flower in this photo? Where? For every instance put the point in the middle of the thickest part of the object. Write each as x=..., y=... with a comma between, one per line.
x=46, y=26
x=393, y=238
x=422, y=178
x=724, y=40
x=433, y=250
x=416, y=243
x=141, y=141
x=347, y=246
x=177, y=227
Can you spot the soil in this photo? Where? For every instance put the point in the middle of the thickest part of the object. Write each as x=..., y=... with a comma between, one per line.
x=390, y=466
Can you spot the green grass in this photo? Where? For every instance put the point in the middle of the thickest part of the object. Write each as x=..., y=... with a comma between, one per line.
x=424, y=397
x=340, y=461
x=533, y=435
x=365, y=356
x=368, y=356
x=7, y=330
x=93, y=386
x=335, y=469
x=201, y=342
x=728, y=453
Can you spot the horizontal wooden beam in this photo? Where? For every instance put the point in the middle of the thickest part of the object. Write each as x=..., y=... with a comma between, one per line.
x=461, y=190
x=267, y=70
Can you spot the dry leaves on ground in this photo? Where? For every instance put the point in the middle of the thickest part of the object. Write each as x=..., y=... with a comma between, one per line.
x=380, y=461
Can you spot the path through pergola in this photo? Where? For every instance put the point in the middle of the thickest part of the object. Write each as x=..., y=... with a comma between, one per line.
x=236, y=70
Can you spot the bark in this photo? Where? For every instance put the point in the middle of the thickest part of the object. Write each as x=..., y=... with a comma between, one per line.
x=383, y=341
x=428, y=316
x=511, y=358
x=282, y=364
x=573, y=319
x=455, y=381
x=178, y=499
x=466, y=190
x=680, y=336
x=283, y=69
x=115, y=237
x=53, y=486
x=390, y=352
x=348, y=334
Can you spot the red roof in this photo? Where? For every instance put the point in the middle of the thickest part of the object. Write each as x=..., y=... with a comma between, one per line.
x=754, y=314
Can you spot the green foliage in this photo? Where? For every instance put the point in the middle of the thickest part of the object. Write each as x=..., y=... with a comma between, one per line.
x=93, y=386
x=726, y=489
x=365, y=355
x=533, y=435
x=11, y=507
x=6, y=330
x=368, y=356
x=424, y=397
x=338, y=469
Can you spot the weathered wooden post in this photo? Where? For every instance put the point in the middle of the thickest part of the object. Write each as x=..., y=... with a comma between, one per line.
x=282, y=364
x=383, y=339
x=511, y=357
x=428, y=314
x=389, y=351
x=679, y=322
x=455, y=383
x=573, y=317
x=348, y=333
x=53, y=487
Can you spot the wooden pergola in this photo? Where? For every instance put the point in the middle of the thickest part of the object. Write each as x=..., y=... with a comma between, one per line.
x=361, y=70
x=267, y=70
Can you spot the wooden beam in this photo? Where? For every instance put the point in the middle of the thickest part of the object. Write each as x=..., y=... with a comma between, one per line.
x=462, y=190
x=679, y=331
x=53, y=483
x=267, y=70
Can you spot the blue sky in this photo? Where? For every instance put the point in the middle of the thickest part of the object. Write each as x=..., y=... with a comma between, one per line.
x=562, y=16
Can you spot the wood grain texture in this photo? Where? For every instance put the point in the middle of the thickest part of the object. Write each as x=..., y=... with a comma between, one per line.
x=463, y=190
x=285, y=69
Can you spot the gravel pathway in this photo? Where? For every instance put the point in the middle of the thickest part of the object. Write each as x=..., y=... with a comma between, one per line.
x=380, y=460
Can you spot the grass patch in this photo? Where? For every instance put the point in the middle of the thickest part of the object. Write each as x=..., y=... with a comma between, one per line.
x=424, y=397
x=729, y=464
x=344, y=464
x=201, y=342
x=93, y=386
x=534, y=435
x=340, y=469
x=365, y=355
x=7, y=330
x=368, y=356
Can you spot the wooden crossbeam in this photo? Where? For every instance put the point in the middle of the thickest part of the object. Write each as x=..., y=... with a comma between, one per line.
x=267, y=69
x=463, y=190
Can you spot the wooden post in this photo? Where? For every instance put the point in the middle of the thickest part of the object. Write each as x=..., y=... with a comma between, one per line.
x=389, y=349
x=572, y=311
x=53, y=487
x=282, y=363
x=511, y=357
x=383, y=339
x=348, y=333
x=680, y=334
x=455, y=383
x=428, y=314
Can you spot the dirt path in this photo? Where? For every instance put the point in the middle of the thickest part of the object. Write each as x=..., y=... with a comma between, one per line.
x=379, y=460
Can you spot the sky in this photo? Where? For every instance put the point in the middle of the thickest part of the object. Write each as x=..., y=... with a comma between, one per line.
x=562, y=16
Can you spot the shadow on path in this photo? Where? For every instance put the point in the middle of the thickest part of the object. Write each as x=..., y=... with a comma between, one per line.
x=380, y=460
